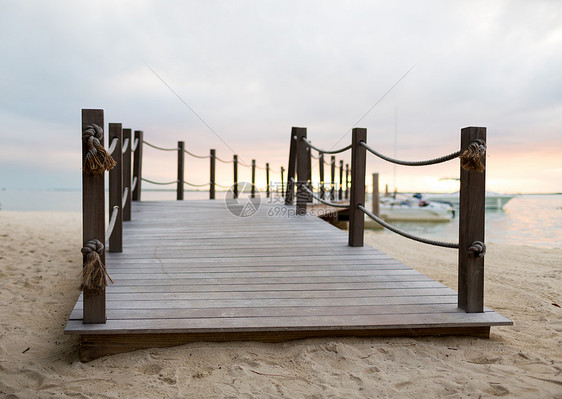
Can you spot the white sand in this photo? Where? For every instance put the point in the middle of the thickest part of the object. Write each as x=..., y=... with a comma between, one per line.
x=40, y=265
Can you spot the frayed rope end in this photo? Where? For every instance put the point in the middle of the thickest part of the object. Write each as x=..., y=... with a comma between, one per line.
x=97, y=160
x=94, y=273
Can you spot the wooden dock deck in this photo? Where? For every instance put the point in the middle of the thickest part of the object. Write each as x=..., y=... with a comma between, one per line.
x=191, y=271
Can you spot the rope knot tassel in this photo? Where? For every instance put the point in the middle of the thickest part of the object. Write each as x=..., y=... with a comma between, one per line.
x=97, y=160
x=94, y=273
x=471, y=158
x=477, y=249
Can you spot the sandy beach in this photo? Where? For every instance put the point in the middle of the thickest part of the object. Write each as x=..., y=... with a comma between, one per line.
x=40, y=265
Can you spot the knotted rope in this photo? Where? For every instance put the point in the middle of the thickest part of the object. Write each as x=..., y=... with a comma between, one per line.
x=94, y=273
x=97, y=160
x=477, y=249
x=471, y=158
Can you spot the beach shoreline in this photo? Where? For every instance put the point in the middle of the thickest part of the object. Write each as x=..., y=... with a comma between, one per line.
x=40, y=276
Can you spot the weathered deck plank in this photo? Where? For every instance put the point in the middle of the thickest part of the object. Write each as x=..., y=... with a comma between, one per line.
x=192, y=271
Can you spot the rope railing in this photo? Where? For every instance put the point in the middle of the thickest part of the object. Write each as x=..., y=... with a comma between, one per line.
x=326, y=151
x=407, y=235
x=125, y=145
x=322, y=200
x=221, y=186
x=196, y=156
x=112, y=221
x=125, y=197
x=159, y=148
x=261, y=168
x=134, y=183
x=196, y=185
x=159, y=183
x=223, y=161
x=113, y=146
x=135, y=145
x=412, y=163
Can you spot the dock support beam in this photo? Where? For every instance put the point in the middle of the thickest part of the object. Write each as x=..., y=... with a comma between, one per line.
x=291, y=168
x=212, y=174
x=235, y=170
x=376, y=197
x=253, y=189
x=137, y=167
x=333, y=176
x=471, y=229
x=128, y=194
x=321, y=173
x=181, y=153
x=267, y=180
x=303, y=162
x=358, y=165
x=116, y=188
x=93, y=219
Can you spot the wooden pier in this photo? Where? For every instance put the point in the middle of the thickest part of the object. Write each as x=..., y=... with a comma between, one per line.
x=225, y=270
x=192, y=271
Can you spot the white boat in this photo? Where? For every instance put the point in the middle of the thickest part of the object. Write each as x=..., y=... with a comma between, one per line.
x=493, y=200
x=414, y=209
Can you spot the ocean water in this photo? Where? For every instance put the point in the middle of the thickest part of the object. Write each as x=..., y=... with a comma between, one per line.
x=534, y=220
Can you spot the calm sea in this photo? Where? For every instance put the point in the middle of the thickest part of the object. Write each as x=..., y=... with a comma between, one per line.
x=526, y=220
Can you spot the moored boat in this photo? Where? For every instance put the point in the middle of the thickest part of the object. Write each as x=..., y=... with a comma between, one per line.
x=493, y=200
x=414, y=209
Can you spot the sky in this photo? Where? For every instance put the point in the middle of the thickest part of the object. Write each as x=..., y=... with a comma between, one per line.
x=236, y=76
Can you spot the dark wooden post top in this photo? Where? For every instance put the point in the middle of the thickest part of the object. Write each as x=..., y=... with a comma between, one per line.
x=358, y=166
x=303, y=152
x=127, y=171
x=137, y=166
x=181, y=160
x=235, y=170
x=212, y=175
x=471, y=229
x=116, y=188
x=291, y=168
x=93, y=218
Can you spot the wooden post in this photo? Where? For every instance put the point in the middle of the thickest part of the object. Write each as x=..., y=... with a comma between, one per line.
x=93, y=219
x=309, y=172
x=116, y=188
x=321, y=173
x=376, y=197
x=358, y=161
x=282, y=181
x=471, y=229
x=291, y=168
x=253, y=193
x=303, y=153
x=235, y=168
x=127, y=174
x=346, y=181
x=340, y=192
x=212, y=177
x=181, y=147
x=267, y=180
x=137, y=167
x=333, y=176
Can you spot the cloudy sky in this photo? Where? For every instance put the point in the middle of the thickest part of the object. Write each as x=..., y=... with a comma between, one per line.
x=252, y=69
